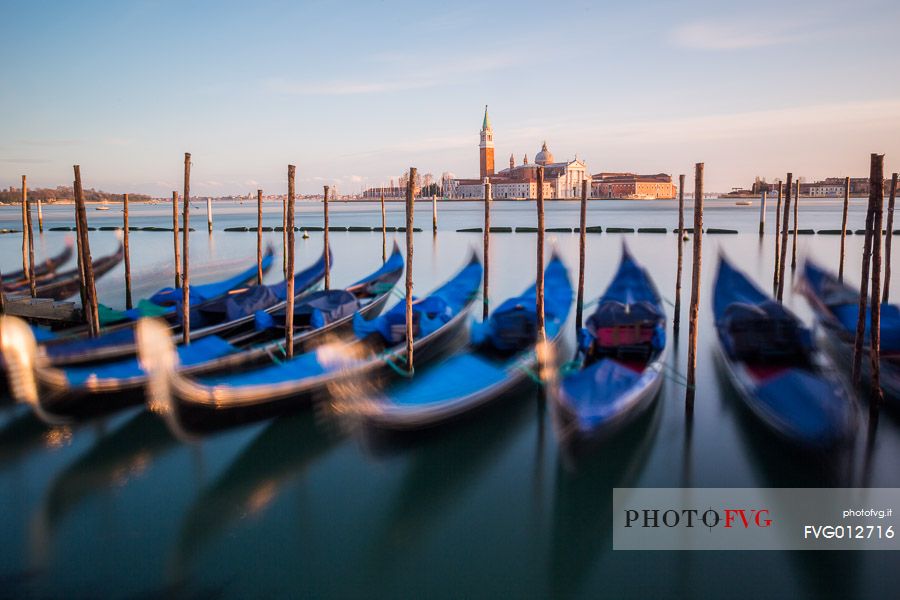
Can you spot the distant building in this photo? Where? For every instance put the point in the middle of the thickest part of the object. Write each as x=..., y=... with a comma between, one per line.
x=561, y=179
x=388, y=191
x=632, y=186
x=830, y=187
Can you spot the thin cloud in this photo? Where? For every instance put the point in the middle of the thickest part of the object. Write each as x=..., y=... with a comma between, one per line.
x=739, y=34
x=24, y=161
x=49, y=142
x=424, y=76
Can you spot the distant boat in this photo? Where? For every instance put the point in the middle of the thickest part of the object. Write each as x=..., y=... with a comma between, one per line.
x=101, y=207
x=743, y=203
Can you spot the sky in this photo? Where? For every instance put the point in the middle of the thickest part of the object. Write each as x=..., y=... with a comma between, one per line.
x=355, y=93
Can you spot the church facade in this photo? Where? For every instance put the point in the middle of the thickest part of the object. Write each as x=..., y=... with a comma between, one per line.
x=561, y=179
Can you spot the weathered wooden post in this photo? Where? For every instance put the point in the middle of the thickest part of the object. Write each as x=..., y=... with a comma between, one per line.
x=25, y=269
x=784, y=235
x=694, y=314
x=383, y=230
x=434, y=213
x=876, y=187
x=29, y=227
x=889, y=236
x=676, y=320
x=762, y=212
x=40, y=215
x=127, y=252
x=796, y=221
x=876, y=174
x=582, y=229
x=259, y=269
x=82, y=280
x=487, y=249
x=539, y=284
x=289, y=271
x=209, y=214
x=185, y=254
x=775, y=276
x=410, y=211
x=84, y=247
x=844, y=227
x=327, y=257
x=175, y=239
x=284, y=235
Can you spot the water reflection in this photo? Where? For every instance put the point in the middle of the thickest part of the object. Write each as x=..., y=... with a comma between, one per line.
x=25, y=433
x=582, y=507
x=280, y=454
x=442, y=465
x=112, y=462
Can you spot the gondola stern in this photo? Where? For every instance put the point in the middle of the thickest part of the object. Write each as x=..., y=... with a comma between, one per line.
x=19, y=350
x=158, y=358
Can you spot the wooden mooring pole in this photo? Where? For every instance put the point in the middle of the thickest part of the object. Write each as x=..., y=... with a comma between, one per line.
x=284, y=236
x=127, y=252
x=889, y=237
x=434, y=213
x=784, y=235
x=40, y=215
x=82, y=286
x=25, y=268
x=876, y=174
x=539, y=281
x=29, y=228
x=487, y=249
x=582, y=230
x=694, y=314
x=844, y=227
x=289, y=270
x=877, y=189
x=383, y=230
x=185, y=254
x=762, y=212
x=410, y=208
x=259, y=269
x=175, y=239
x=775, y=276
x=84, y=248
x=676, y=320
x=209, y=214
x=796, y=222
x=327, y=257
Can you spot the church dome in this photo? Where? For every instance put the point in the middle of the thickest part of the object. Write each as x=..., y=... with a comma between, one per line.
x=544, y=157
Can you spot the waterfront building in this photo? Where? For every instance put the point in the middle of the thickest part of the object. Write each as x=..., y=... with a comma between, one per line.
x=561, y=179
x=632, y=186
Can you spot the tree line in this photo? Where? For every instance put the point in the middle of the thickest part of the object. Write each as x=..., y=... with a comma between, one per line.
x=13, y=195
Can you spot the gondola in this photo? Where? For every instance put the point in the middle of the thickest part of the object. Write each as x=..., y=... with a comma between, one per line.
x=375, y=351
x=17, y=279
x=617, y=372
x=836, y=306
x=499, y=361
x=101, y=388
x=785, y=381
x=117, y=341
x=65, y=284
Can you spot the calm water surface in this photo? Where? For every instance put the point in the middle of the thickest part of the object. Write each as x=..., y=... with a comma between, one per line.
x=486, y=508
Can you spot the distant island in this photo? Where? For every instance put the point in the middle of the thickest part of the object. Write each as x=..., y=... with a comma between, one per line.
x=65, y=194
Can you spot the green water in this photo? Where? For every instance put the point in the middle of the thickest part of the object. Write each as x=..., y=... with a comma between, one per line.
x=311, y=505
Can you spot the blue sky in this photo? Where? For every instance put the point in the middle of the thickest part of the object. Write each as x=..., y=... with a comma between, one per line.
x=356, y=92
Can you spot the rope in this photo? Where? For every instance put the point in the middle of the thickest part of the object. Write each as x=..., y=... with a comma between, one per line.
x=402, y=371
x=676, y=377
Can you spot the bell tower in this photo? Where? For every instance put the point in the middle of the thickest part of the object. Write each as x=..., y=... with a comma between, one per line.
x=486, y=147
